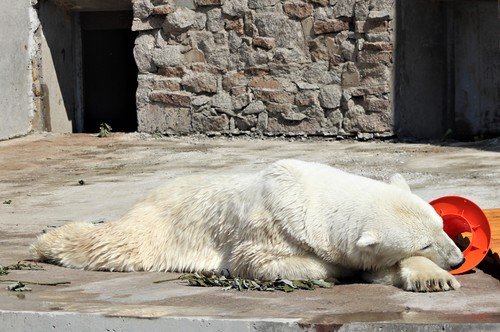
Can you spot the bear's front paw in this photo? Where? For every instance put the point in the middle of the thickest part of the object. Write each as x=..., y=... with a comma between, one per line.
x=428, y=280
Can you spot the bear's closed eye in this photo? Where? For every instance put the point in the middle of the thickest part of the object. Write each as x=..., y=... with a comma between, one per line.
x=427, y=246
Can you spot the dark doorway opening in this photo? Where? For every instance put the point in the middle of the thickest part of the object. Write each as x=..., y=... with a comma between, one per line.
x=109, y=71
x=446, y=69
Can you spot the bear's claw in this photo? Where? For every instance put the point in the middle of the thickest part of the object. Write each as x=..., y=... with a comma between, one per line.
x=419, y=274
x=419, y=283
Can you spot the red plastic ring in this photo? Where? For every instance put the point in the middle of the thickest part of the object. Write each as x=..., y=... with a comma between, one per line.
x=462, y=215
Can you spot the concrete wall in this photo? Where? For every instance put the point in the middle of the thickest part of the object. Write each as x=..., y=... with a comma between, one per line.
x=16, y=102
x=268, y=66
x=420, y=69
x=476, y=29
x=447, y=69
x=57, y=67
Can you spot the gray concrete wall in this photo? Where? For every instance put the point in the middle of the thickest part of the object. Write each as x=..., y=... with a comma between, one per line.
x=420, y=69
x=57, y=67
x=447, y=69
x=477, y=68
x=16, y=107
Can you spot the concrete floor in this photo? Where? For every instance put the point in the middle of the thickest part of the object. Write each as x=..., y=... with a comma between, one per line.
x=40, y=175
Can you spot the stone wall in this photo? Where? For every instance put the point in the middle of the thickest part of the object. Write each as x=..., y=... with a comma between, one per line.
x=316, y=67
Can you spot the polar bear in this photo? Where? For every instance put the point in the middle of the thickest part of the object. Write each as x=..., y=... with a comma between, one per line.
x=293, y=219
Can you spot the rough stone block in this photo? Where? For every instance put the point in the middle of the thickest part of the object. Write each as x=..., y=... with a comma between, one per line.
x=356, y=120
x=277, y=109
x=334, y=118
x=330, y=96
x=350, y=75
x=204, y=123
x=264, y=42
x=307, y=28
x=180, y=20
x=194, y=56
x=236, y=25
x=202, y=3
x=374, y=26
x=163, y=10
x=144, y=59
x=251, y=57
x=254, y=108
x=246, y=123
x=310, y=121
x=276, y=96
x=368, y=56
x=329, y=26
x=189, y=4
x=200, y=82
x=380, y=15
x=359, y=26
x=240, y=101
x=149, y=23
x=200, y=21
x=294, y=116
x=367, y=90
x=291, y=56
x=348, y=50
x=361, y=10
x=319, y=73
x=171, y=98
x=214, y=20
x=307, y=86
x=167, y=56
x=262, y=122
x=218, y=56
x=306, y=98
x=166, y=84
x=204, y=68
x=171, y=71
x=378, y=37
x=261, y=4
x=343, y=8
x=298, y=9
x=166, y=120
x=264, y=83
x=372, y=104
x=286, y=32
x=234, y=79
x=200, y=101
x=142, y=8
x=323, y=3
x=377, y=46
x=222, y=101
x=235, y=7
x=238, y=90
x=318, y=50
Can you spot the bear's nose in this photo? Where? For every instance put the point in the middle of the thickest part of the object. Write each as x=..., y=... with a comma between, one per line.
x=458, y=265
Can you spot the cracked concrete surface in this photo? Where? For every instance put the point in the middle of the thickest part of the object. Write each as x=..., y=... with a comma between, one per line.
x=40, y=175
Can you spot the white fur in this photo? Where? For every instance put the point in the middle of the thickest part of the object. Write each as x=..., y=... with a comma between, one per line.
x=294, y=219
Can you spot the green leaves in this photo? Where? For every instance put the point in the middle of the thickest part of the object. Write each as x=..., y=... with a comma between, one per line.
x=284, y=285
x=104, y=130
x=4, y=270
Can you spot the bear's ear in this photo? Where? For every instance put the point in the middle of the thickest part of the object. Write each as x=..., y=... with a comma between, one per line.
x=368, y=239
x=399, y=181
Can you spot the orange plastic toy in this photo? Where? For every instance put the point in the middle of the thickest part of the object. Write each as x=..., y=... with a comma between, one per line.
x=461, y=216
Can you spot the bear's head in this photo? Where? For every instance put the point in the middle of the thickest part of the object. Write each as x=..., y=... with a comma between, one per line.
x=406, y=226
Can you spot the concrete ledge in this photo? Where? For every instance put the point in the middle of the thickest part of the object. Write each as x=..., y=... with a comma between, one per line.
x=80, y=322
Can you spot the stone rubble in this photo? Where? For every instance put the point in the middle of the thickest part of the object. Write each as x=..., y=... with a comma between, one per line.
x=271, y=67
